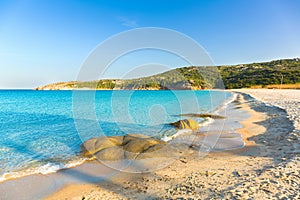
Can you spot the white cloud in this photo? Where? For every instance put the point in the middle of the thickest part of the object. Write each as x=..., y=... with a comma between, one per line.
x=128, y=22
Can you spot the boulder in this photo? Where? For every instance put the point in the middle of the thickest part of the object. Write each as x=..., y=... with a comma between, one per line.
x=140, y=145
x=110, y=154
x=134, y=147
x=186, y=124
x=163, y=151
x=154, y=148
x=131, y=147
x=130, y=137
x=94, y=145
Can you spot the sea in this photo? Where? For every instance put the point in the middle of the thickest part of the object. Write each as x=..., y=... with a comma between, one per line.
x=42, y=131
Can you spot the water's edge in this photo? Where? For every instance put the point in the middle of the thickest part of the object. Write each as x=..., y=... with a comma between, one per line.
x=53, y=168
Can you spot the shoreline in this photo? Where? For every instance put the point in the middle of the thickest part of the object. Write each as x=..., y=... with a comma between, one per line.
x=69, y=191
x=244, y=173
x=82, y=165
x=54, y=168
x=208, y=120
x=217, y=172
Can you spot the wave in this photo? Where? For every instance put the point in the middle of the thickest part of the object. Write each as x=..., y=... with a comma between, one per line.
x=47, y=168
x=206, y=122
x=178, y=133
x=168, y=138
x=225, y=104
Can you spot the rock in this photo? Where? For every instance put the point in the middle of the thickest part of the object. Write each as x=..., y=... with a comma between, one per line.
x=132, y=147
x=130, y=137
x=204, y=115
x=155, y=148
x=111, y=154
x=94, y=145
x=163, y=151
x=139, y=145
x=186, y=124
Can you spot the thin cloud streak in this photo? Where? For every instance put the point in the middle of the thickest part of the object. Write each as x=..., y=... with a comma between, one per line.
x=128, y=22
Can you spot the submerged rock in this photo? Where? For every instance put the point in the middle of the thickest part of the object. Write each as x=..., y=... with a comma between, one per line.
x=186, y=124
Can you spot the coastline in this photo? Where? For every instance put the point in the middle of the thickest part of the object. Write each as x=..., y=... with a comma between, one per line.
x=219, y=174
x=252, y=172
x=86, y=164
x=53, y=168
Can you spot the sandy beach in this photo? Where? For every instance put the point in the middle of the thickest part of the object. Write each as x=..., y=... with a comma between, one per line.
x=267, y=167
x=150, y=100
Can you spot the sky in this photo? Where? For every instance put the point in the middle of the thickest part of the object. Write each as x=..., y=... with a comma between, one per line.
x=47, y=41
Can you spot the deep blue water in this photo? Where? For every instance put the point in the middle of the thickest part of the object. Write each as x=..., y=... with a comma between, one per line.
x=41, y=131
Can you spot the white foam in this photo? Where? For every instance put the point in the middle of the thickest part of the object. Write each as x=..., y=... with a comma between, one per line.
x=44, y=169
x=205, y=123
x=5, y=149
x=226, y=103
x=50, y=168
x=179, y=132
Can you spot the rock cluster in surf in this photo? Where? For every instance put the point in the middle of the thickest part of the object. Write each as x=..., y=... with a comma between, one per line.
x=136, y=146
x=130, y=147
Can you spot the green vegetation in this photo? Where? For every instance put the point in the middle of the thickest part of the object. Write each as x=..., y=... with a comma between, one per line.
x=277, y=72
x=101, y=84
x=262, y=74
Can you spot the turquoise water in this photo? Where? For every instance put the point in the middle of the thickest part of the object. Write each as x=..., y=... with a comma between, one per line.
x=41, y=131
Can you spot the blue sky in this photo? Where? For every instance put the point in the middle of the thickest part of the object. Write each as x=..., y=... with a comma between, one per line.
x=44, y=41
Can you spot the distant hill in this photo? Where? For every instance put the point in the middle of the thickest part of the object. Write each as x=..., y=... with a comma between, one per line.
x=196, y=78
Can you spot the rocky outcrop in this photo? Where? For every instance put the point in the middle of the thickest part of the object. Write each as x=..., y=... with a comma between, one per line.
x=130, y=147
x=186, y=124
x=110, y=153
x=94, y=145
x=119, y=147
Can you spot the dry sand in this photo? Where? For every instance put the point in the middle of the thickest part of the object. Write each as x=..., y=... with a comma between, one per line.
x=268, y=166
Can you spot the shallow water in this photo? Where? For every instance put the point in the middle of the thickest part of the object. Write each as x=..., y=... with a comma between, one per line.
x=41, y=131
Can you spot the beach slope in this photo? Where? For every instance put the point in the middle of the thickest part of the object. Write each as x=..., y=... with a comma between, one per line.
x=267, y=167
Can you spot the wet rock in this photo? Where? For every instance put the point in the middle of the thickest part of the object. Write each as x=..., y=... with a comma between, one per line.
x=186, y=124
